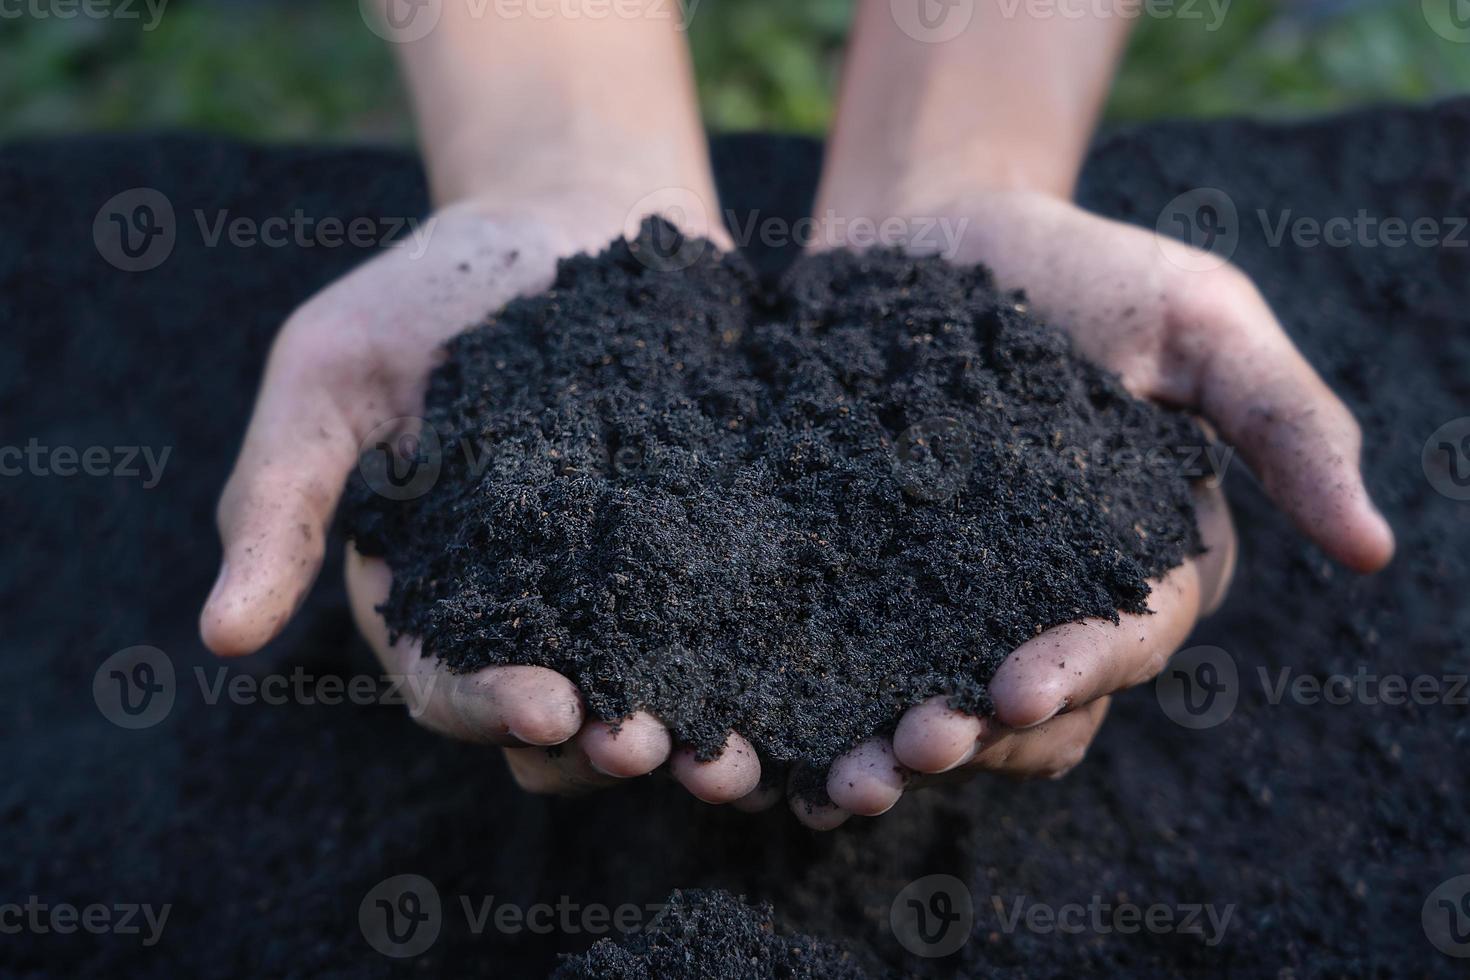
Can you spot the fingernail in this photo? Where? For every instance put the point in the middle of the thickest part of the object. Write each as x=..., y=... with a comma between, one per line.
x=1062, y=708
x=537, y=743
x=969, y=754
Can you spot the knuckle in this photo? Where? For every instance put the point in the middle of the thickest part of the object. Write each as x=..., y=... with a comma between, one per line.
x=1152, y=667
x=1208, y=298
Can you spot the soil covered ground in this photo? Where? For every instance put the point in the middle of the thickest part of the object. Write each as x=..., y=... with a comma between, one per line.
x=270, y=826
x=712, y=934
x=788, y=511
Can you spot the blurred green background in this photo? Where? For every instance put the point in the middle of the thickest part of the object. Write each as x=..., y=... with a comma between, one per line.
x=298, y=69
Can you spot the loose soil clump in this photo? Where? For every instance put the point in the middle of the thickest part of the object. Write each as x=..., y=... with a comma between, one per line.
x=712, y=934
x=788, y=511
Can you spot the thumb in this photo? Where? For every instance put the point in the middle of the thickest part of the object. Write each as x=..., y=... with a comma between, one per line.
x=275, y=510
x=1301, y=440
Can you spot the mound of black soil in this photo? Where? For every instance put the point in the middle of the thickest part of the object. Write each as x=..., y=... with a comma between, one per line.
x=712, y=934
x=790, y=515
x=1326, y=827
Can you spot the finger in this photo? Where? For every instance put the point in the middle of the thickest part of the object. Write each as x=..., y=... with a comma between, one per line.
x=811, y=813
x=1077, y=663
x=769, y=791
x=635, y=746
x=1297, y=436
x=1222, y=547
x=562, y=771
x=868, y=780
x=273, y=515
x=763, y=797
x=726, y=778
x=932, y=737
x=516, y=705
x=1049, y=750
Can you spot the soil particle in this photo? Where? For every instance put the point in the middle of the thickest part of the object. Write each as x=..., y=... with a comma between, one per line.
x=712, y=934
x=787, y=511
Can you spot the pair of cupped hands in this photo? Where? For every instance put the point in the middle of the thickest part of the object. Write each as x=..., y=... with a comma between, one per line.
x=1174, y=324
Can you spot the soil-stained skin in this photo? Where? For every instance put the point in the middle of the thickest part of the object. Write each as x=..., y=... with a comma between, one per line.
x=789, y=512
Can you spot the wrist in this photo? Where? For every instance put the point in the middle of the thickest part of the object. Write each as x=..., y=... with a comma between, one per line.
x=587, y=198
x=929, y=181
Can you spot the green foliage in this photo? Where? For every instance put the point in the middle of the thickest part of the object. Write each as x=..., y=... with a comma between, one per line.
x=309, y=69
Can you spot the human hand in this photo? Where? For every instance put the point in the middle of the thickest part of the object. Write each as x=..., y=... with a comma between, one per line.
x=1179, y=328
x=357, y=356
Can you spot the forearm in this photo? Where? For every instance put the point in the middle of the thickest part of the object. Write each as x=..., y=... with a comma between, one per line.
x=551, y=105
x=1010, y=103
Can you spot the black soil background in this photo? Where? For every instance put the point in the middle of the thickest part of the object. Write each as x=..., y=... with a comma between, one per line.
x=265, y=826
